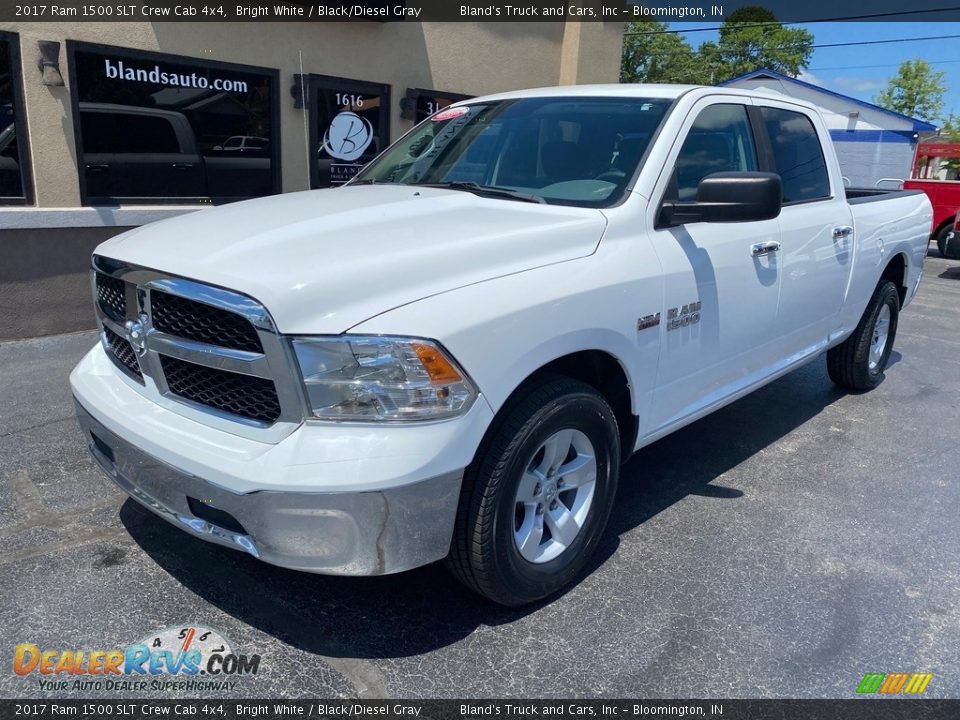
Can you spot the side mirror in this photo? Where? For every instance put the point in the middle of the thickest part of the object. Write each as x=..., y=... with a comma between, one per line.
x=728, y=197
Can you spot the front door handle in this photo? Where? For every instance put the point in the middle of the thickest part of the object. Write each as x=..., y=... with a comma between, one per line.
x=842, y=231
x=182, y=166
x=764, y=248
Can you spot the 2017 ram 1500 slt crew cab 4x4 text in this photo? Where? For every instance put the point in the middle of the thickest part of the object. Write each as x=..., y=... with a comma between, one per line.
x=451, y=356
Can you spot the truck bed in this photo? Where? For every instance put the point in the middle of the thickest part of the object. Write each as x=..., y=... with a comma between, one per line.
x=863, y=195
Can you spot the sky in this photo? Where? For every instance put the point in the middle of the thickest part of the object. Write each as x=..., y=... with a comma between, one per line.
x=861, y=71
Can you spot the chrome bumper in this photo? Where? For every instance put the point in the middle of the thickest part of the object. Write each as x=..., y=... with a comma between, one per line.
x=357, y=533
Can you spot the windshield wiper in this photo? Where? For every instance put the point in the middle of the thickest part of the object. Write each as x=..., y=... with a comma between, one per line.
x=490, y=190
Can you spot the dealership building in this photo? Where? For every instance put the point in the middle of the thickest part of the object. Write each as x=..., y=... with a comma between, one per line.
x=107, y=126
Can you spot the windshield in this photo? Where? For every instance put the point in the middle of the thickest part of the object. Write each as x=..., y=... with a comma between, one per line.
x=570, y=151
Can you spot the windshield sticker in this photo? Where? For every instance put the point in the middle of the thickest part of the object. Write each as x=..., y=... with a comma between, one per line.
x=450, y=113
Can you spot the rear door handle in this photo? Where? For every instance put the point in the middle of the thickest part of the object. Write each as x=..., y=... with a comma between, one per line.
x=764, y=248
x=97, y=167
x=842, y=231
x=182, y=166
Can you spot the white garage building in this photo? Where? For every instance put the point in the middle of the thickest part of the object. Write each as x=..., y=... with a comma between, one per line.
x=872, y=142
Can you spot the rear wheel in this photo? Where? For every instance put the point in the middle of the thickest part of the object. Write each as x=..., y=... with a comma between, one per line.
x=858, y=363
x=537, y=498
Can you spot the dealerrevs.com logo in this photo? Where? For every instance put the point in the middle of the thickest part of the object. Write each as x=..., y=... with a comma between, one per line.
x=191, y=658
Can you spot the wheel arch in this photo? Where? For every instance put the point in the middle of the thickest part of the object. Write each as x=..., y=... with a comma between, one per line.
x=945, y=223
x=896, y=272
x=601, y=370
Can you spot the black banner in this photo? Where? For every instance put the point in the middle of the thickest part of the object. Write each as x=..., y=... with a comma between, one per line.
x=854, y=709
x=471, y=11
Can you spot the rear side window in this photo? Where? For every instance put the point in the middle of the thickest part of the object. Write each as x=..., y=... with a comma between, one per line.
x=797, y=155
x=720, y=140
x=105, y=132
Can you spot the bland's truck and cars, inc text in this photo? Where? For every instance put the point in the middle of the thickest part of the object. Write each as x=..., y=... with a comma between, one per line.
x=451, y=356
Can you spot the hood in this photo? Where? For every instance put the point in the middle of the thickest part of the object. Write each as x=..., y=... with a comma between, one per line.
x=324, y=260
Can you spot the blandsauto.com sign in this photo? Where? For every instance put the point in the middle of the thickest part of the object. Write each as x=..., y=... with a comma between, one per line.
x=123, y=70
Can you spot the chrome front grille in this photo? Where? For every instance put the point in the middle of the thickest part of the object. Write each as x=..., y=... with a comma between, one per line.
x=244, y=395
x=111, y=296
x=204, y=323
x=211, y=354
x=122, y=353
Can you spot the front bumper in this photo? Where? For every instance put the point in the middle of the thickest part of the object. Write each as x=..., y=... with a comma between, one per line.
x=339, y=533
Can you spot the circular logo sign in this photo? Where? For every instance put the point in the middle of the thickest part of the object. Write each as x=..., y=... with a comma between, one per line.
x=348, y=136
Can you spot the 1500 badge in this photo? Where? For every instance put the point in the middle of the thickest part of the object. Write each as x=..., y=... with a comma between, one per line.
x=683, y=316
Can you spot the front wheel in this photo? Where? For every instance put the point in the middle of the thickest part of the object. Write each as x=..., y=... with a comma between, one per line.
x=858, y=363
x=537, y=497
x=949, y=250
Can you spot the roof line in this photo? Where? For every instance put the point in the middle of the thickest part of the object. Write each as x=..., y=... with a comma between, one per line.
x=918, y=125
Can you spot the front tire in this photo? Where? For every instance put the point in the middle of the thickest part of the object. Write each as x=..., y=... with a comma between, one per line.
x=537, y=497
x=858, y=363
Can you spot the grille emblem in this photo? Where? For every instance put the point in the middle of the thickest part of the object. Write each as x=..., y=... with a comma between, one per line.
x=136, y=331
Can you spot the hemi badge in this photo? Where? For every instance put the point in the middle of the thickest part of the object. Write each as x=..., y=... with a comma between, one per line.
x=648, y=321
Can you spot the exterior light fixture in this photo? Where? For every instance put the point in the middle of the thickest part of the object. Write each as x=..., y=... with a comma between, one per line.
x=49, y=63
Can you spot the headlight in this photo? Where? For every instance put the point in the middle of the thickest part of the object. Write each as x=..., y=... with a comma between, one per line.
x=381, y=378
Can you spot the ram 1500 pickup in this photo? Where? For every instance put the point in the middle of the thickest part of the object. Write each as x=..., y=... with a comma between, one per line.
x=451, y=356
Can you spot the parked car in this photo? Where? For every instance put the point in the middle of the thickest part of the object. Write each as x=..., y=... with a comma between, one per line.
x=244, y=143
x=944, y=194
x=451, y=357
x=142, y=154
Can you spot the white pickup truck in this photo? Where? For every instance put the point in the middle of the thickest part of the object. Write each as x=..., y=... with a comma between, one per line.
x=451, y=356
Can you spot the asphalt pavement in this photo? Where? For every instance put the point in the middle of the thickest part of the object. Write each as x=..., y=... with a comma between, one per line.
x=782, y=547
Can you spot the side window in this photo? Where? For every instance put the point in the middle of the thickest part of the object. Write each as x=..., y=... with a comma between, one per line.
x=720, y=140
x=797, y=155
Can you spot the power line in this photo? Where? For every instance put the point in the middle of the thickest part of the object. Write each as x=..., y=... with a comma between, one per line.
x=846, y=44
x=799, y=22
x=884, y=42
x=867, y=67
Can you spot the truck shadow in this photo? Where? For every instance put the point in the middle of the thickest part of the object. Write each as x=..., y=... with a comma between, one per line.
x=425, y=609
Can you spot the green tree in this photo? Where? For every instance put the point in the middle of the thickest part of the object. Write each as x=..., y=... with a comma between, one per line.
x=653, y=55
x=750, y=39
x=916, y=90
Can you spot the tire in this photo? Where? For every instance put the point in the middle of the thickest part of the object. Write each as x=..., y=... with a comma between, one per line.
x=952, y=252
x=858, y=363
x=500, y=504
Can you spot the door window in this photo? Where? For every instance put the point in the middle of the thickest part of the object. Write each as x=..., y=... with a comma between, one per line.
x=797, y=155
x=720, y=140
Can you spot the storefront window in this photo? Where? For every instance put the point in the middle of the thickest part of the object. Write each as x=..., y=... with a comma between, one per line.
x=14, y=182
x=158, y=128
x=350, y=125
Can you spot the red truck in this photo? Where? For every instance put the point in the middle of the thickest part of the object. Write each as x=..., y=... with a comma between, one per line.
x=944, y=194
